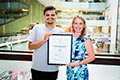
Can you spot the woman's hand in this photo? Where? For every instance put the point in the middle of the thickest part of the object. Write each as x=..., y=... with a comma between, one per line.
x=73, y=64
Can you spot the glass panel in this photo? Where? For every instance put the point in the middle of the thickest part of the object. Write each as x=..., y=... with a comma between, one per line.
x=97, y=18
x=11, y=10
x=118, y=30
x=14, y=42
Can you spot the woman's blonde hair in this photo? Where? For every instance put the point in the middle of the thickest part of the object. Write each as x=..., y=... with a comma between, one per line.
x=84, y=31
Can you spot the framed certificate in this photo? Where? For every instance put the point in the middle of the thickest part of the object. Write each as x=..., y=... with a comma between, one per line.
x=59, y=48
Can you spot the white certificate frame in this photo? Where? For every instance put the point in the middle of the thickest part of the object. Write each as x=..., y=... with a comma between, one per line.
x=60, y=49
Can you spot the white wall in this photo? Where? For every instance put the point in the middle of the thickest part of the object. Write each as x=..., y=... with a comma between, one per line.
x=97, y=72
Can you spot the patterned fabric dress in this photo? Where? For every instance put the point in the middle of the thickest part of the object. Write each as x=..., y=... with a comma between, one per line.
x=78, y=54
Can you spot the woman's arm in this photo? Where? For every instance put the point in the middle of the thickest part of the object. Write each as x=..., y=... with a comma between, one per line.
x=90, y=52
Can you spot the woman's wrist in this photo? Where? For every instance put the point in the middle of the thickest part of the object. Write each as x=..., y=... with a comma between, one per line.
x=79, y=63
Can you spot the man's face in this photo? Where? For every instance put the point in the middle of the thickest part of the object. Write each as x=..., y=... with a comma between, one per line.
x=50, y=16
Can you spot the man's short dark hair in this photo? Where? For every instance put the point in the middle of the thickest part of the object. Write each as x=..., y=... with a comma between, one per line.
x=49, y=8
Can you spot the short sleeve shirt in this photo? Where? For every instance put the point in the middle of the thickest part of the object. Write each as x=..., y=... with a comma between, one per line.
x=40, y=54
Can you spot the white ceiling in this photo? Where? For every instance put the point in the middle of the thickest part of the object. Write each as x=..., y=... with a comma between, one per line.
x=49, y=2
x=59, y=4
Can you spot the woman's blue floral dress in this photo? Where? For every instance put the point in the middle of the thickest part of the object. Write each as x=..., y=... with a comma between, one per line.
x=78, y=54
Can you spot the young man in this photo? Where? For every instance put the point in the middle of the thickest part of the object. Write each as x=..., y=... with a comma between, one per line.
x=38, y=42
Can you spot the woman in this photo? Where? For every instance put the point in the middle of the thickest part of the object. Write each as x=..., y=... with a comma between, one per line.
x=77, y=69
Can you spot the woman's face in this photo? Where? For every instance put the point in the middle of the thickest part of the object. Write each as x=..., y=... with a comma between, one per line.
x=78, y=25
